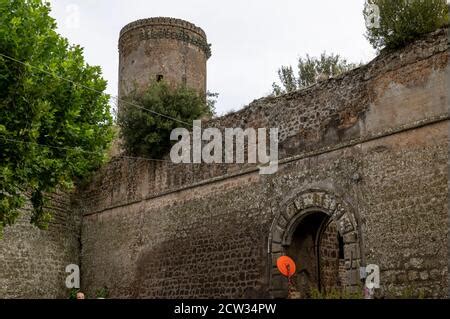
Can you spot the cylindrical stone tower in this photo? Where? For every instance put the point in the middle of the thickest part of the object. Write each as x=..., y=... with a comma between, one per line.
x=158, y=49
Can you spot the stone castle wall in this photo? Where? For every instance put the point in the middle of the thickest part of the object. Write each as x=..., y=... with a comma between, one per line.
x=376, y=139
x=369, y=148
x=33, y=261
x=330, y=260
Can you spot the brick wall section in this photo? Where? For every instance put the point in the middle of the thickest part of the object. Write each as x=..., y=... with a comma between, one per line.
x=342, y=274
x=377, y=136
x=210, y=241
x=33, y=261
x=329, y=259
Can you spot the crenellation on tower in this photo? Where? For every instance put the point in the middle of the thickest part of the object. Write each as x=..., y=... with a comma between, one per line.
x=162, y=21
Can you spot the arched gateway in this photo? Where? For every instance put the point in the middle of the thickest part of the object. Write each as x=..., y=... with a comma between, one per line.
x=321, y=232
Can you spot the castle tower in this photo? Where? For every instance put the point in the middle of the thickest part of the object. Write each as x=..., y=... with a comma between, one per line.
x=158, y=49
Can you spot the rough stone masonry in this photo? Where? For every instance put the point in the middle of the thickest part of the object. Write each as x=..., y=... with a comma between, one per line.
x=362, y=180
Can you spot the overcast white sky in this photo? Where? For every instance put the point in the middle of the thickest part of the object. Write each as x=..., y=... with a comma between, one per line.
x=250, y=39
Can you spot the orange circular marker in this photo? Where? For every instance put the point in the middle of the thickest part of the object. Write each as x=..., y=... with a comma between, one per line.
x=286, y=266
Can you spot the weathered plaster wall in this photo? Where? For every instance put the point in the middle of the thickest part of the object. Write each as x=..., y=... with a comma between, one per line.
x=376, y=137
x=33, y=261
x=330, y=261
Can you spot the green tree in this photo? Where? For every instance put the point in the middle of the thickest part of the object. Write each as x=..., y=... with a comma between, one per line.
x=393, y=24
x=52, y=131
x=148, y=134
x=310, y=70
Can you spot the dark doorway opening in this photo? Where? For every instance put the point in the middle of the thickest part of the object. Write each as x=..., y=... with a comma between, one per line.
x=317, y=249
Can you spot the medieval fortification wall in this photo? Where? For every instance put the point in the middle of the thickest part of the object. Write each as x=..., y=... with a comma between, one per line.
x=368, y=148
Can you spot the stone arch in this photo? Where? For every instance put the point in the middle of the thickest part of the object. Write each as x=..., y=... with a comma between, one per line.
x=292, y=211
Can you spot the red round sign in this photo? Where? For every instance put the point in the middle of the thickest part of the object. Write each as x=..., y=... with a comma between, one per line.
x=286, y=266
